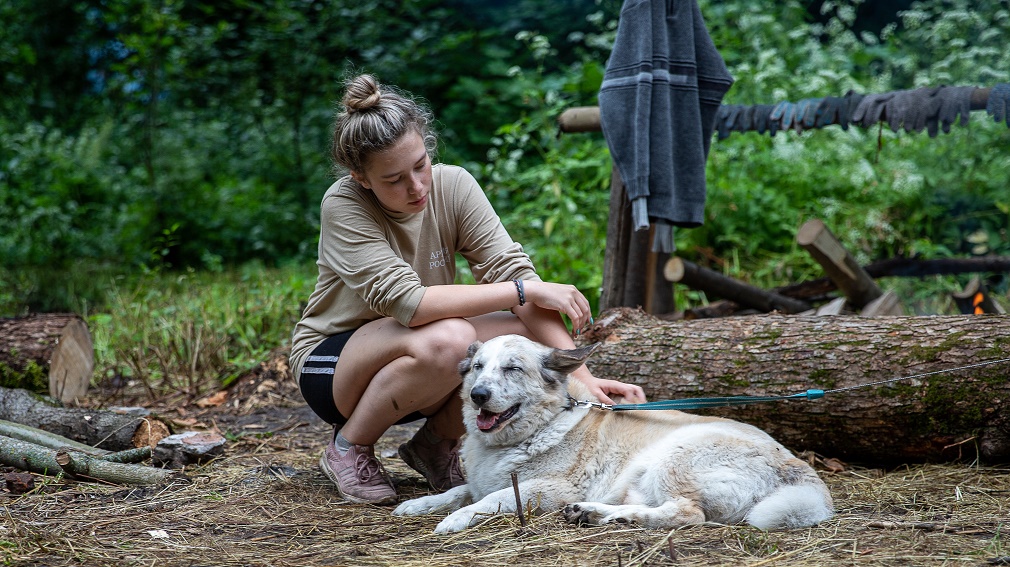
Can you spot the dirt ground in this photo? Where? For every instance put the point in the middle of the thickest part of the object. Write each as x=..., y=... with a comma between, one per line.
x=265, y=502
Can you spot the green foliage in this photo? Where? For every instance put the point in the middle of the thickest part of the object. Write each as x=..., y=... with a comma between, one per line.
x=551, y=191
x=195, y=331
x=154, y=137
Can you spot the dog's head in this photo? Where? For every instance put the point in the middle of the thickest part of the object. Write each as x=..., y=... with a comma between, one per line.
x=512, y=386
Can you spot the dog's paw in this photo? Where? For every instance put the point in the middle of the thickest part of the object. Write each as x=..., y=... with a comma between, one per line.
x=455, y=522
x=595, y=514
x=581, y=514
x=418, y=506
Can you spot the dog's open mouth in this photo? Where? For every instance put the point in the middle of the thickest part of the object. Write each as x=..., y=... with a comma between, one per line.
x=489, y=421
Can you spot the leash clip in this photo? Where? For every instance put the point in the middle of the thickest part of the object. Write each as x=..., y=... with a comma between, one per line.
x=589, y=404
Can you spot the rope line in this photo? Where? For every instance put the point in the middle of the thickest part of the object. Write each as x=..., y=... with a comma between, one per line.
x=924, y=374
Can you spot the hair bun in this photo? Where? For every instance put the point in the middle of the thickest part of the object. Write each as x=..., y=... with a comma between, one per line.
x=362, y=93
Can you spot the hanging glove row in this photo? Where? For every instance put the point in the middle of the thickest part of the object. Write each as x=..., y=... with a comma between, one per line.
x=927, y=108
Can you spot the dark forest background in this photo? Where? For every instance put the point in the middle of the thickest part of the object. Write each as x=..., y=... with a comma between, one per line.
x=171, y=136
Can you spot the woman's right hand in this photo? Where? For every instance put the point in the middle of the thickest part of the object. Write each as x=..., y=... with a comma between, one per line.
x=564, y=298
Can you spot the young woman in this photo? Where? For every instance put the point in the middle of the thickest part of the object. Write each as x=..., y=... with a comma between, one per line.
x=385, y=328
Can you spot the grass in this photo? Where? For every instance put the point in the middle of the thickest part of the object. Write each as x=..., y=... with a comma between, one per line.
x=191, y=333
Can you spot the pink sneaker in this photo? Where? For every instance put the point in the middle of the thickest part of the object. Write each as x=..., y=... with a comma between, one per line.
x=438, y=462
x=358, y=475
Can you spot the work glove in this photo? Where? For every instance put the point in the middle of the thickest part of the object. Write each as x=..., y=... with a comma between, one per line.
x=871, y=109
x=806, y=114
x=783, y=114
x=745, y=122
x=954, y=101
x=725, y=119
x=761, y=119
x=912, y=108
x=829, y=111
x=852, y=100
x=999, y=103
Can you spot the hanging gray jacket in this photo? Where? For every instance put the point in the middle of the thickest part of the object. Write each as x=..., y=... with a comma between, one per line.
x=661, y=90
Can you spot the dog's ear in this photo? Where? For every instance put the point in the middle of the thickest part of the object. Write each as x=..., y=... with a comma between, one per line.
x=464, y=365
x=566, y=361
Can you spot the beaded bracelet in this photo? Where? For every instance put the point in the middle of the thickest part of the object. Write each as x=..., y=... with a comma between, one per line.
x=520, y=291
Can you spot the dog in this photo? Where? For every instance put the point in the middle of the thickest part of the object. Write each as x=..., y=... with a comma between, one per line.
x=656, y=469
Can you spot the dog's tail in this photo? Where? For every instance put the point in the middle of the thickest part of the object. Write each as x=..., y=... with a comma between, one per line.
x=792, y=506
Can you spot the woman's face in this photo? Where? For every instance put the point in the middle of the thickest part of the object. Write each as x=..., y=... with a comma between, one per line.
x=400, y=176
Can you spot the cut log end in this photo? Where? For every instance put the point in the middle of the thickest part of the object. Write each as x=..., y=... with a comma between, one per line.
x=73, y=363
x=51, y=351
x=149, y=433
x=810, y=232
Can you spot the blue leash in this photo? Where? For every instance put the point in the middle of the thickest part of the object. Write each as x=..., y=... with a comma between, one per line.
x=699, y=403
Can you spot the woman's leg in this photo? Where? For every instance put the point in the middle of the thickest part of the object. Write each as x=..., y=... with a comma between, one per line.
x=387, y=371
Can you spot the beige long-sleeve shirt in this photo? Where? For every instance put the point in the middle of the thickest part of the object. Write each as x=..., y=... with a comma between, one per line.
x=375, y=263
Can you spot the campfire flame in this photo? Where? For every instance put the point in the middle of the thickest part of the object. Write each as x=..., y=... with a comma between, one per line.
x=977, y=303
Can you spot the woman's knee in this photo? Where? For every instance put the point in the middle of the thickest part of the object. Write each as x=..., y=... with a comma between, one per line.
x=444, y=343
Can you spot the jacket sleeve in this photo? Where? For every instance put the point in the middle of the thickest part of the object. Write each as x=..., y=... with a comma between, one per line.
x=354, y=246
x=482, y=239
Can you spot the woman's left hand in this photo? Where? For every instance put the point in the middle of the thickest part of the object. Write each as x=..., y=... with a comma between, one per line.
x=603, y=389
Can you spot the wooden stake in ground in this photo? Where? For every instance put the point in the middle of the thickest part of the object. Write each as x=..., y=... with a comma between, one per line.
x=943, y=417
x=47, y=352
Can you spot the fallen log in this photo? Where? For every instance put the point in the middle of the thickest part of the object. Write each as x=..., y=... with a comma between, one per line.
x=97, y=428
x=47, y=352
x=910, y=267
x=37, y=436
x=43, y=460
x=52, y=441
x=939, y=418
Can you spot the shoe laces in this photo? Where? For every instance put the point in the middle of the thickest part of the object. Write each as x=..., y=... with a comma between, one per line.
x=455, y=470
x=367, y=467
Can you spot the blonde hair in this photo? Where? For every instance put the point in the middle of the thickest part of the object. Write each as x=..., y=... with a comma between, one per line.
x=373, y=117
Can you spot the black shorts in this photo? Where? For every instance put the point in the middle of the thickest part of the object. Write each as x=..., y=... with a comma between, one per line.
x=316, y=380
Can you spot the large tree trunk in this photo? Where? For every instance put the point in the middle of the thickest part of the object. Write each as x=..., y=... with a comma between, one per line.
x=49, y=352
x=107, y=430
x=943, y=417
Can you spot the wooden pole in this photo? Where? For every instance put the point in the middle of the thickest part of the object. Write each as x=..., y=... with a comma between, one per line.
x=712, y=282
x=580, y=119
x=637, y=282
x=838, y=263
x=615, y=255
x=587, y=118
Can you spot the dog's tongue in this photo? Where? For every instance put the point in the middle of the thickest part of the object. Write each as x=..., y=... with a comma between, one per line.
x=487, y=420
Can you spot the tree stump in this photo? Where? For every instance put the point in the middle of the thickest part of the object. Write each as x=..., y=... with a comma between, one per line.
x=47, y=353
x=938, y=418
